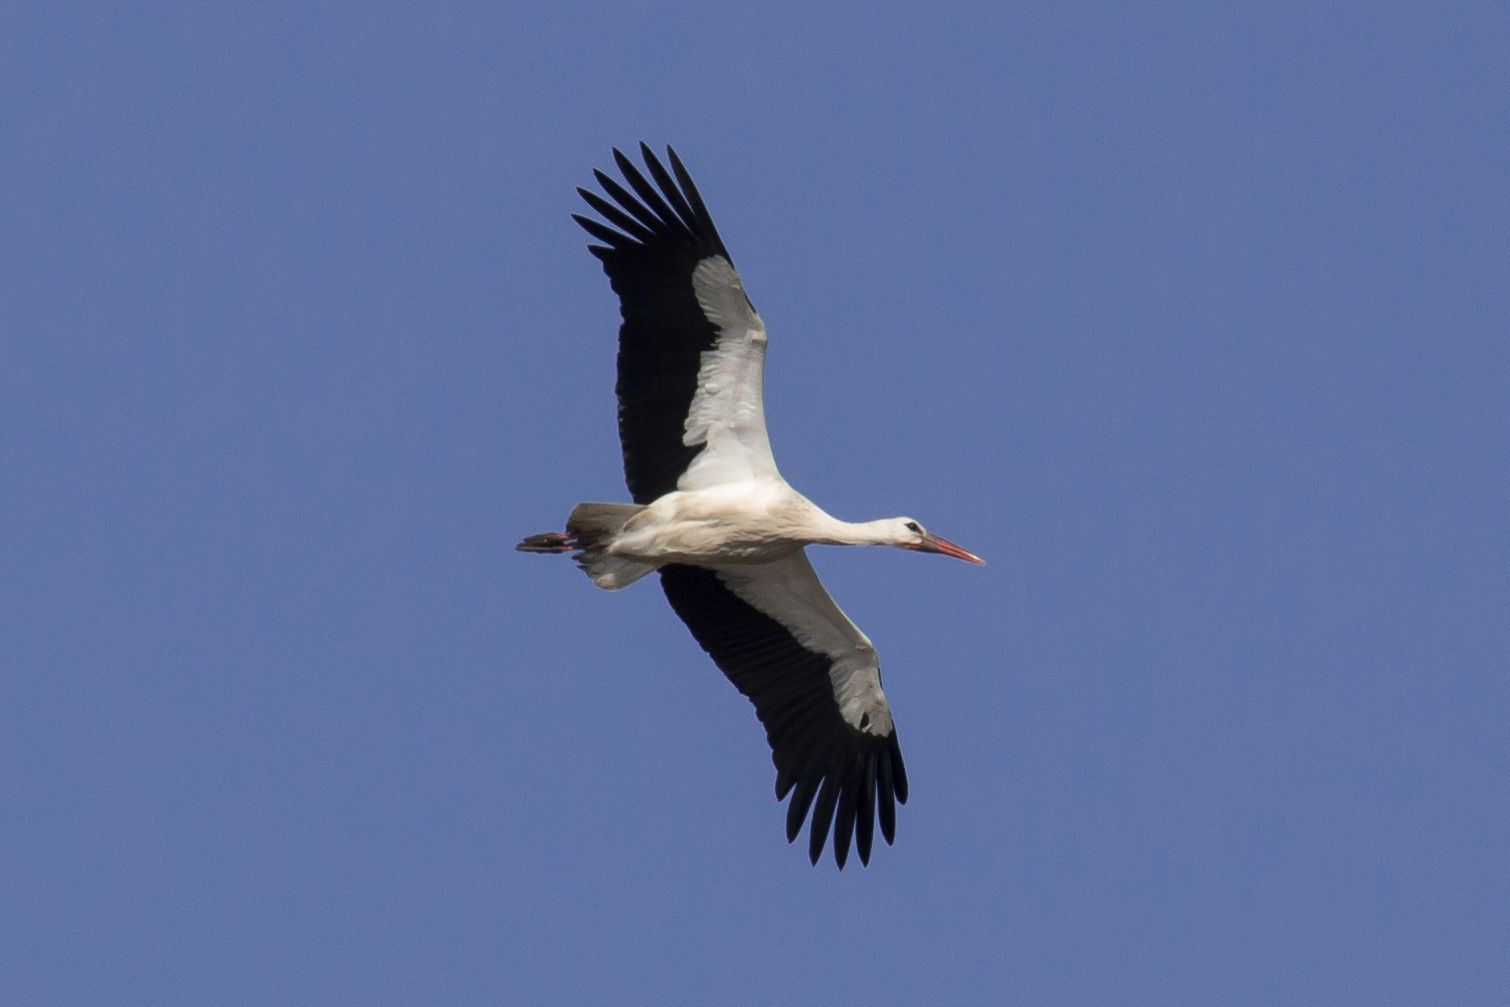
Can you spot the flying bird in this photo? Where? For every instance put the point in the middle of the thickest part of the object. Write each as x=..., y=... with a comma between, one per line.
x=716, y=520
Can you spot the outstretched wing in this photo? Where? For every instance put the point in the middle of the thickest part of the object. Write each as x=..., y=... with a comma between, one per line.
x=816, y=686
x=692, y=348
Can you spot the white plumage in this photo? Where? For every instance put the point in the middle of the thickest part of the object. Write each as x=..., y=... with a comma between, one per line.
x=713, y=515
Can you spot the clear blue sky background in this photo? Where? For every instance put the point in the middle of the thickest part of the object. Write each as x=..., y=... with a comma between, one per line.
x=1194, y=319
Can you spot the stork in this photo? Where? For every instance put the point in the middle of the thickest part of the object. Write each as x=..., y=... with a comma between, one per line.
x=715, y=518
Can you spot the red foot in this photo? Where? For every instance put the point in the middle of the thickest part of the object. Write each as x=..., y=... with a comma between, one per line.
x=551, y=541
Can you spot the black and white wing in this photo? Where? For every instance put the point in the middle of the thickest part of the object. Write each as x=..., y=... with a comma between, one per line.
x=691, y=348
x=816, y=686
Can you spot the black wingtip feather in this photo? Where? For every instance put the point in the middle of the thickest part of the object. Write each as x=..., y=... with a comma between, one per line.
x=615, y=216
x=671, y=210
x=669, y=188
x=695, y=200
x=796, y=812
x=646, y=192
x=604, y=233
x=823, y=818
x=848, y=800
x=844, y=822
x=898, y=774
x=865, y=816
x=625, y=199
x=886, y=809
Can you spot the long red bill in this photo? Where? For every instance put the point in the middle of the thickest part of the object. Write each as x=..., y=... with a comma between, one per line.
x=932, y=543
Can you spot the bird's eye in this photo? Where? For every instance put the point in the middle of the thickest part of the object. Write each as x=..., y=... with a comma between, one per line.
x=913, y=526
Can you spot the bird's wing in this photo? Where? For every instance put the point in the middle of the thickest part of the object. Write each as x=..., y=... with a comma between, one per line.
x=816, y=686
x=692, y=348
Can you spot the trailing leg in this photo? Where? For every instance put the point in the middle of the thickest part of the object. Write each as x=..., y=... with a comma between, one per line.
x=551, y=541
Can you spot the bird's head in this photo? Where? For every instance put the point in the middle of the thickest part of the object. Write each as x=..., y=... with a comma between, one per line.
x=909, y=534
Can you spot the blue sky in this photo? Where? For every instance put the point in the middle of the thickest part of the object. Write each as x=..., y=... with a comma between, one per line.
x=1193, y=319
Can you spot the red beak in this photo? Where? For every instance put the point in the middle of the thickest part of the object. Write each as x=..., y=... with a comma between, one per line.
x=932, y=543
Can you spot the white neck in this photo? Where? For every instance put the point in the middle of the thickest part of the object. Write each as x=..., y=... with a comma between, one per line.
x=832, y=531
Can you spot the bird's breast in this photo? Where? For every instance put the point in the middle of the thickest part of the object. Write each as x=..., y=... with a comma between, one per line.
x=709, y=528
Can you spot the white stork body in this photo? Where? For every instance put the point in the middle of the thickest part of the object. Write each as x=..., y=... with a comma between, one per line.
x=716, y=519
x=749, y=522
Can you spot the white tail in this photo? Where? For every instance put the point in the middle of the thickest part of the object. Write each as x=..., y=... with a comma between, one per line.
x=591, y=529
x=593, y=526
